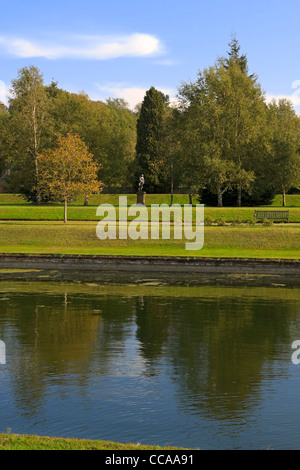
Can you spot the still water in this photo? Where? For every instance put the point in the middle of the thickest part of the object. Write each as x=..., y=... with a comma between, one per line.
x=204, y=367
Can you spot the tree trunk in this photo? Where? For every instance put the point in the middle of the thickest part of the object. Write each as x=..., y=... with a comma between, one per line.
x=65, y=211
x=239, y=197
x=220, y=198
x=172, y=195
x=38, y=196
x=86, y=201
x=283, y=198
x=190, y=199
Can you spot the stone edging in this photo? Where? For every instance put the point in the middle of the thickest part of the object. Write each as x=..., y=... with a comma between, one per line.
x=150, y=264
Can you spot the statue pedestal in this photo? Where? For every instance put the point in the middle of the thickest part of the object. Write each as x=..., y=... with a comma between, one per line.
x=141, y=198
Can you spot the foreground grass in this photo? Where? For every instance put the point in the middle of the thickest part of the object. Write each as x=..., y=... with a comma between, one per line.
x=26, y=442
x=280, y=242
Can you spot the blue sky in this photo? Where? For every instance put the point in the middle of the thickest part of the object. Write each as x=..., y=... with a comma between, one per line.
x=121, y=48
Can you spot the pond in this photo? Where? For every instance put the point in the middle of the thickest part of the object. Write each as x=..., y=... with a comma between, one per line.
x=198, y=366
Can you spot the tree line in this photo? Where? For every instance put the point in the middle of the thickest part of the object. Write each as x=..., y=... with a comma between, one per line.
x=36, y=118
x=221, y=140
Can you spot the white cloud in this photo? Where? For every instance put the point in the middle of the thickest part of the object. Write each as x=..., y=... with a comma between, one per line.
x=85, y=47
x=294, y=99
x=133, y=95
x=4, y=92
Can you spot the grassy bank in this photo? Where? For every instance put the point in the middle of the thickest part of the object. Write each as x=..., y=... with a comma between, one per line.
x=28, y=228
x=292, y=200
x=24, y=442
x=14, y=207
x=81, y=213
x=96, y=199
x=281, y=242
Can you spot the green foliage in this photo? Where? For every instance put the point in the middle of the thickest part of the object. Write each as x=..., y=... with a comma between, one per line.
x=222, y=142
x=149, y=134
x=4, y=140
x=208, y=221
x=267, y=222
x=37, y=114
x=237, y=221
x=252, y=221
x=66, y=171
x=235, y=57
x=285, y=147
x=224, y=117
x=29, y=128
x=221, y=222
x=109, y=130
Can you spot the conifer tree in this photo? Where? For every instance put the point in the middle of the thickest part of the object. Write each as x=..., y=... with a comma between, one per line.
x=149, y=130
x=235, y=56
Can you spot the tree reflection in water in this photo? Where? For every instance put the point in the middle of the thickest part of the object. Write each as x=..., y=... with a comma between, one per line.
x=214, y=345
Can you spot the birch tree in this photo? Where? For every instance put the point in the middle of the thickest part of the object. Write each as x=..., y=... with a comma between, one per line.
x=29, y=125
x=223, y=115
x=285, y=153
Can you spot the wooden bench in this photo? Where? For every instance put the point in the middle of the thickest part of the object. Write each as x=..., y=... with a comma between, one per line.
x=273, y=215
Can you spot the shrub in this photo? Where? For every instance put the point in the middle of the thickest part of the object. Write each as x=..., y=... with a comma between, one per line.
x=267, y=222
x=221, y=222
x=252, y=221
x=208, y=221
x=237, y=221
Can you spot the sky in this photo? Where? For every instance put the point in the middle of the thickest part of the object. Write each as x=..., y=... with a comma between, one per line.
x=120, y=48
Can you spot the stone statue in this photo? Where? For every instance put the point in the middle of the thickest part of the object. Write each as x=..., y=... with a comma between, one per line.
x=141, y=183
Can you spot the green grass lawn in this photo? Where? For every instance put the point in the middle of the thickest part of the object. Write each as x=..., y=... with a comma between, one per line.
x=293, y=200
x=80, y=213
x=27, y=442
x=80, y=238
x=28, y=228
x=14, y=211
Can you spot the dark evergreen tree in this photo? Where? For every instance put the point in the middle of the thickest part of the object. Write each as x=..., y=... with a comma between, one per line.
x=148, y=146
x=235, y=56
